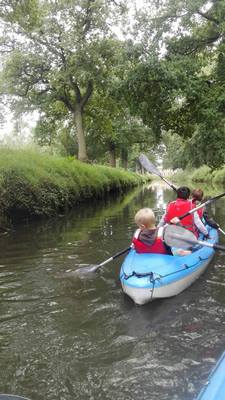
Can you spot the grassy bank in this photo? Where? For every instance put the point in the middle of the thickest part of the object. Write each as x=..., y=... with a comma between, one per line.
x=36, y=184
x=203, y=177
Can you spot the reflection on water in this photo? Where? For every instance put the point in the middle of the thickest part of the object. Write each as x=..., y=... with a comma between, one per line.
x=162, y=197
x=68, y=337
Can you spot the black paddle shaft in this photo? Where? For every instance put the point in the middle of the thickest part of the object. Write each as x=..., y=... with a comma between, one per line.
x=219, y=247
x=200, y=242
x=202, y=205
x=95, y=268
x=146, y=164
x=178, y=236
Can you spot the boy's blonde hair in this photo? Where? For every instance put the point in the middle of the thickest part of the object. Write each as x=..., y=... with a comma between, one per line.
x=145, y=217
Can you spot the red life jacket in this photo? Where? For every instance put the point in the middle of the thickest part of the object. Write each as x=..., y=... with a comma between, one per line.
x=176, y=209
x=200, y=211
x=157, y=247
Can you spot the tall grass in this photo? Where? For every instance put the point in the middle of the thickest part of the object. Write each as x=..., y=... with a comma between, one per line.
x=32, y=183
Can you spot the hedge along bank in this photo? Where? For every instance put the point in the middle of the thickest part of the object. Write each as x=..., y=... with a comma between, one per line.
x=36, y=184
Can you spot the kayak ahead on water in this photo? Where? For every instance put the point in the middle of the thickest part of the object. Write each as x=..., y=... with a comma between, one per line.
x=147, y=276
x=214, y=388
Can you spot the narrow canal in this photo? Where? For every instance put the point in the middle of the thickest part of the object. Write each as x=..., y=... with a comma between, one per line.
x=64, y=337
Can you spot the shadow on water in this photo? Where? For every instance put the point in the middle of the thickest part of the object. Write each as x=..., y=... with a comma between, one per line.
x=67, y=337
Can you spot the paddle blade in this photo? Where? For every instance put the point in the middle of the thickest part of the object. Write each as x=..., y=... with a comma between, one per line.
x=146, y=164
x=84, y=269
x=177, y=236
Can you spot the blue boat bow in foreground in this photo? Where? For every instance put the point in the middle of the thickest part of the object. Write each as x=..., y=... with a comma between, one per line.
x=215, y=386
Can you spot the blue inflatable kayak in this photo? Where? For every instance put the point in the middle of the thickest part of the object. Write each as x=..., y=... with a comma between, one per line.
x=145, y=277
x=215, y=386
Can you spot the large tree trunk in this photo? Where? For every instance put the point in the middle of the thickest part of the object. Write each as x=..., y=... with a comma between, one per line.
x=112, y=155
x=82, y=151
x=124, y=158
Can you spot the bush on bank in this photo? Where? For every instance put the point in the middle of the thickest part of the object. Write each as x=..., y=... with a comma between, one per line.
x=219, y=176
x=202, y=174
x=35, y=184
x=207, y=175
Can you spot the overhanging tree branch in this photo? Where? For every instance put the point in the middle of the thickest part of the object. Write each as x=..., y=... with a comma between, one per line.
x=208, y=17
x=87, y=94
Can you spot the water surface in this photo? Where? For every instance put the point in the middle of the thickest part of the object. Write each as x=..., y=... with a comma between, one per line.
x=67, y=337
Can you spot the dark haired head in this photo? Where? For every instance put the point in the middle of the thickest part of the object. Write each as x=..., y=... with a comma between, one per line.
x=183, y=192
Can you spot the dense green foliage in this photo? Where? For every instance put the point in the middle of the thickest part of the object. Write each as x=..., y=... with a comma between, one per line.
x=183, y=88
x=202, y=174
x=106, y=98
x=205, y=174
x=211, y=181
x=67, y=64
x=32, y=183
x=219, y=176
x=64, y=50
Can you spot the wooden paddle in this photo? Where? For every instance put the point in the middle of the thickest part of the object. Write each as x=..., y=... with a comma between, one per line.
x=146, y=164
x=177, y=236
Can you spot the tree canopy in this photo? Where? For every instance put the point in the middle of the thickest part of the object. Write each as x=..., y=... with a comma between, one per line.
x=58, y=53
x=99, y=94
x=189, y=38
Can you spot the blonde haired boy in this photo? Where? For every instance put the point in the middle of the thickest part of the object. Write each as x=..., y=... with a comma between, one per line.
x=148, y=238
x=145, y=218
